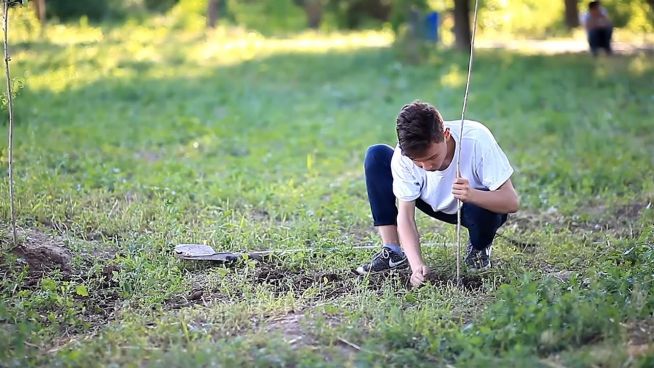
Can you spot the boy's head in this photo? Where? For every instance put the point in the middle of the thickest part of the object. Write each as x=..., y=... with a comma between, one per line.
x=421, y=135
x=593, y=6
x=418, y=125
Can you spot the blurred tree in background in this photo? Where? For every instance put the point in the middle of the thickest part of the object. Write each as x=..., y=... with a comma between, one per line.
x=462, y=32
x=571, y=13
x=212, y=12
x=39, y=10
x=313, y=10
x=216, y=9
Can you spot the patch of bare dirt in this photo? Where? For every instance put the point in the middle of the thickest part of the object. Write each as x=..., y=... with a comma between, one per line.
x=195, y=296
x=298, y=330
x=290, y=327
x=595, y=218
x=641, y=332
x=44, y=254
x=328, y=285
x=40, y=252
x=282, y=280
x=468, y=281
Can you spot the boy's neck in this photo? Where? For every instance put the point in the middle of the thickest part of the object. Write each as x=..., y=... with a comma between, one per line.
x=451, y=147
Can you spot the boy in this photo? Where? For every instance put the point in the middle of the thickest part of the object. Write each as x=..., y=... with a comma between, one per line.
x=598, y=28
x=421, y=172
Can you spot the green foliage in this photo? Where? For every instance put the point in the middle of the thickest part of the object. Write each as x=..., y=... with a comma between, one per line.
x=633, y=14
x=402, y=12
x=97, y=10
x=521, y=17
x=72, y=10
x=269, y=17
x=13, y=3
x=518, y=18
x=189, y=14
x=534, y=18
x=352, y=14
x=159, y=5
x=15, y=329
x=543, y=318
x=530, y=316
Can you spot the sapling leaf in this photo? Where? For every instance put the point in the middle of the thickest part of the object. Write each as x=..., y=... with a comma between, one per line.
x=81, y=290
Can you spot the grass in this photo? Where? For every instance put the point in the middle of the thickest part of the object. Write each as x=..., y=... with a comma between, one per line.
x=132, y=139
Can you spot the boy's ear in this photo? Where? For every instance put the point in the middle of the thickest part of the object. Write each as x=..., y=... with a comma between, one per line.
x=446, y=133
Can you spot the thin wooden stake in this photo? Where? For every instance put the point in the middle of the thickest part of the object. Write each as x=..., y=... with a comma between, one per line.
x=459, y=204
x=10, y=101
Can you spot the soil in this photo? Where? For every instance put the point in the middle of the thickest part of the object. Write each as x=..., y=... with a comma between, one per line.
x=331, y=284
x=41, y=253
x=290, y=327
x=44, y=253
x=641, y=332
x=597, y=218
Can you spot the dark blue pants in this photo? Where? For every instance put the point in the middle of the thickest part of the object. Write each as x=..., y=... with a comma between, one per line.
x=600, y=38
x=481, y=223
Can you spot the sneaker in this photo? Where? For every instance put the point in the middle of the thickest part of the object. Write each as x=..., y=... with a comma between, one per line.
x=383, y=261
x=478, y=259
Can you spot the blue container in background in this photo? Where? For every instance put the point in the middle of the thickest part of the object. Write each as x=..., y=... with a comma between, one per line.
x=431, y=26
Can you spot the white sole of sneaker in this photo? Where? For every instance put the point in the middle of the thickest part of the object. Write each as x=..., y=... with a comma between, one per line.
x=361, y=272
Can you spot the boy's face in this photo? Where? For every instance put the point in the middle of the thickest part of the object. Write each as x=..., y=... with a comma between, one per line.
x=434, y=158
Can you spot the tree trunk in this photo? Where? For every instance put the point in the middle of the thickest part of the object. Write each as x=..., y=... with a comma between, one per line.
x=212, y=13
x=462, y=33
x=571, y=14
x=313, y=10
x=39, y=9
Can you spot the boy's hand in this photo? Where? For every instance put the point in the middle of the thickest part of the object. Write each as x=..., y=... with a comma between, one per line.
x=461, y=189
x=419, y=275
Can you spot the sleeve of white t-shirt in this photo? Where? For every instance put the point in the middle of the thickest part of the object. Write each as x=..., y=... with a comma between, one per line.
x=493, y=167
x=406, y=186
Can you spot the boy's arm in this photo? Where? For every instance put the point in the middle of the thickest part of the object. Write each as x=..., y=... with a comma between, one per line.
x=410, y=240
x=502, y=200
x=597, y=22
x=408, y=231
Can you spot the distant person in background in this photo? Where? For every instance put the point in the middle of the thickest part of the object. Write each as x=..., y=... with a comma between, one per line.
x=598, y=28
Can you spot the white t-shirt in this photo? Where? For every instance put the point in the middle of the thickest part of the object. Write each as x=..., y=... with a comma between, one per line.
x=583, y=18
x=483, y=163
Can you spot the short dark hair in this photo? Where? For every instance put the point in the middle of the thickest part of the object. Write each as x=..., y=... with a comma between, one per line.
x=593, y=5
x=418, y=125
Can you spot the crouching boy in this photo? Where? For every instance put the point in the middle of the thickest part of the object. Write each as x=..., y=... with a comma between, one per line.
x=421, y=172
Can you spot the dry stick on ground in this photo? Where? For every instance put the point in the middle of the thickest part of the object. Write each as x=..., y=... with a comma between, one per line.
x=5, y=15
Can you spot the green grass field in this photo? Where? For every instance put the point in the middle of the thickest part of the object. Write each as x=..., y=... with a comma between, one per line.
x=132, y=139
